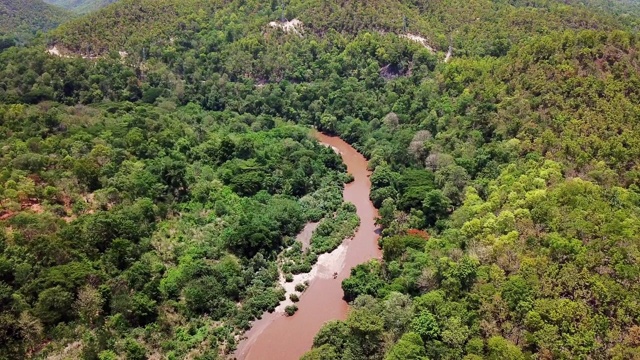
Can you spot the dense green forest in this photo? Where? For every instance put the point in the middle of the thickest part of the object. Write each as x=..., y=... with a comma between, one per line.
x=21, y=19
x=149, y=191
x=125, y=217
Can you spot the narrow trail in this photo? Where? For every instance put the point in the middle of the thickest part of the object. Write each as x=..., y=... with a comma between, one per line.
x=278, y=337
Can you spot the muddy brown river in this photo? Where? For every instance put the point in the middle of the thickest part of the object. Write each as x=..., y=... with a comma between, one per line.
x=278, y=337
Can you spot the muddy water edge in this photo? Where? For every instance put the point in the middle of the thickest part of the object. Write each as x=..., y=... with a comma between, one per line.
x=278, y=337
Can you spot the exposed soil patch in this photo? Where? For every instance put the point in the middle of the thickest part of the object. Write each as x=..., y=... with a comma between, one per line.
x=294, y=26
x=420, y=40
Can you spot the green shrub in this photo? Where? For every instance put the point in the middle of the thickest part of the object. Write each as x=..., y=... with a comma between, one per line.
x=294, y=298
x=107, y=355
x=348, y=178
x=288, y=277
x=290, y=310
x=300, y=287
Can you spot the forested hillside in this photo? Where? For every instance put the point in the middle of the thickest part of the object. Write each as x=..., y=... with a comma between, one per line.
x=81, y=6
x=20, y=19
x=472, y=27
x=147, y=190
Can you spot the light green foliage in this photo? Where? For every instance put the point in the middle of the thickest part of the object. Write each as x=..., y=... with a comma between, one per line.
x=534, y=249
x=409, y=347
x=426, y=326
x=324, y=352
x=332, y=230
x=500, y=348
x=107, y=355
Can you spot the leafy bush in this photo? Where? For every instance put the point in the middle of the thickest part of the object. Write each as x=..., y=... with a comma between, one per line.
x=290, y=310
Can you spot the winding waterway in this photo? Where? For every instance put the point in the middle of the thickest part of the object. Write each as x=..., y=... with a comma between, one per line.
x=278, y=337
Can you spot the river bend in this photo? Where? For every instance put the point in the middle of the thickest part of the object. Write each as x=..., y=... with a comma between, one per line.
x=278, y=337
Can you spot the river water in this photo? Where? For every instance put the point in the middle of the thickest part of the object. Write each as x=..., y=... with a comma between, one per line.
x=278, y=337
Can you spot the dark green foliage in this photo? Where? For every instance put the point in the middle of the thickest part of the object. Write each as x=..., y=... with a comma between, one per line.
x=21, y=19
x=291, y=310
x=262, y=226
x=395, y=246
x=364, y=280
x=202, y=296
x=54, y=305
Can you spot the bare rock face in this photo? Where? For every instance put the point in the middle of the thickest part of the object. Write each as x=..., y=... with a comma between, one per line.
x=419, y=39
x=294, y=26
x=60, y=51
x=54, y=51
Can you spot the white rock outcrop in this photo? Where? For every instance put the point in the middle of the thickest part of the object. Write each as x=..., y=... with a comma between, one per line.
x=294, y=26
x=55, y=51
x=419, y=39
x=449, y=54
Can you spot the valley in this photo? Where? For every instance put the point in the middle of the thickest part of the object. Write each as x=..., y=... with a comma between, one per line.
x=352, y=180
x=278, y=337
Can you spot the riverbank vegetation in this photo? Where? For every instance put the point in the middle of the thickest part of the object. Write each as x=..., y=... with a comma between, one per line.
x=332, y=230
x=131, y=224
x=147, y=191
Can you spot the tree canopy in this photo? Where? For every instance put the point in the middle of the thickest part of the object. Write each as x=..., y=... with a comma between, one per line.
x=157, y=165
